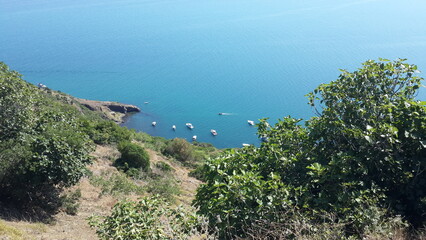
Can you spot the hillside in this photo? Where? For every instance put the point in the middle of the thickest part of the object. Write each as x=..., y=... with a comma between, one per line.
x=93, y=202
x=59, y=209
x=357, y=170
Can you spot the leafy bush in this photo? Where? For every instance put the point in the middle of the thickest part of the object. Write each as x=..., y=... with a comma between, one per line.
x=180, y=149
x=155, y=143
x=17, y=97
x=42, y=146
x=150, y=218
x=364, y=152
x=186, y=153
x=199, y=172
x=133, y=156
x=105, y=132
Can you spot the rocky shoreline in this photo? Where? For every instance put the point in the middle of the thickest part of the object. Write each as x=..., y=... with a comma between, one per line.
x=111, y=110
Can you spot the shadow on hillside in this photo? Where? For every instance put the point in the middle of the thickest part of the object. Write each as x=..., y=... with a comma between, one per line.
x=37, y=206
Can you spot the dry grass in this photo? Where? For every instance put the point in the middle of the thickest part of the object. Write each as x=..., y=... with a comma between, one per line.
x=188, y=185
x=7, y=231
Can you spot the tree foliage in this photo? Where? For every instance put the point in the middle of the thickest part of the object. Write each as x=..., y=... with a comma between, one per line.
x=363, y=153
x=41, y=147
x=16, y=101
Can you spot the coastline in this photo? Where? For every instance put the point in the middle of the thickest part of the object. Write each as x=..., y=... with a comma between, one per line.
x=114, y=111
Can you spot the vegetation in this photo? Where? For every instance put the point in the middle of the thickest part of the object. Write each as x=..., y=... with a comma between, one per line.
x=361, y=160
x=181, y=150
x=45, y=141
x=42, y=148
x=106, y=132
x=356, y=170
x=70, y=203
x=132, y=156
x=149, y=218
x=165, y=186
x=163, y=166
x=115, y=184
x=10, y=232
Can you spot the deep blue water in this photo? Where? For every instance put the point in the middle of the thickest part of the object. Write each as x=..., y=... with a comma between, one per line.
x=194, y=58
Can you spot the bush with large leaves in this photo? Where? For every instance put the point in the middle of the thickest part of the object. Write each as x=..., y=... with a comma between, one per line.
x=364, y=152
x=150, y=218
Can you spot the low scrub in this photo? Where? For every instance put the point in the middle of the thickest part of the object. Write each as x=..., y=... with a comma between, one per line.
x=132, y=156
x=70, y=202
x=149, y=218
x=116, y=184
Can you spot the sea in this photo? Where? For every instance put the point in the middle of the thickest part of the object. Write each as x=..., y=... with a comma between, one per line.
x=185, y=61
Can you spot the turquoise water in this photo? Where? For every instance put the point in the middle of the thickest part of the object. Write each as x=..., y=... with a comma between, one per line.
x=191, y=59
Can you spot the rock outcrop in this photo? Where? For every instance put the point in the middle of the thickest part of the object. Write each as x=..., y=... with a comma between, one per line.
x=111, y=110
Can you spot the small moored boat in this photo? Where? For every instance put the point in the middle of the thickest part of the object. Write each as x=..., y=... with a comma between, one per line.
x=250, y=122
x=189, y=125
x=41, y=85
x=153, y=124
x=174, y=127
x=246, y=145
x=194, y=138
x=214, y=133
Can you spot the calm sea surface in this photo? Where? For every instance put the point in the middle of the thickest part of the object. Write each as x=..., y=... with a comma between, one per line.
x=191, y=59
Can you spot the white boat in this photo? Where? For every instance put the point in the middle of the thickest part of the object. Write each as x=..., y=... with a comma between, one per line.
x=41, y=85
x=246, y=145
x=250, y=122
x=154, y=123
x=214, y=133
x=174, y=127
x=146, y=102
x=194, y=138
x=189, y=125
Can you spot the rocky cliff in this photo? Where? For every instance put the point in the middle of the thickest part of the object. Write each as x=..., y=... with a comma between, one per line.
x=111, y=110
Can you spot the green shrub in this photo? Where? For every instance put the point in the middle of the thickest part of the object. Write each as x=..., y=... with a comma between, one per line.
x=105, y=132
x=17, y=99
x=152, y=142
x=150, y=218
x=199, y=172
x=133, y=156
x=364, y=152
x=42, y=145
x=180, y=149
